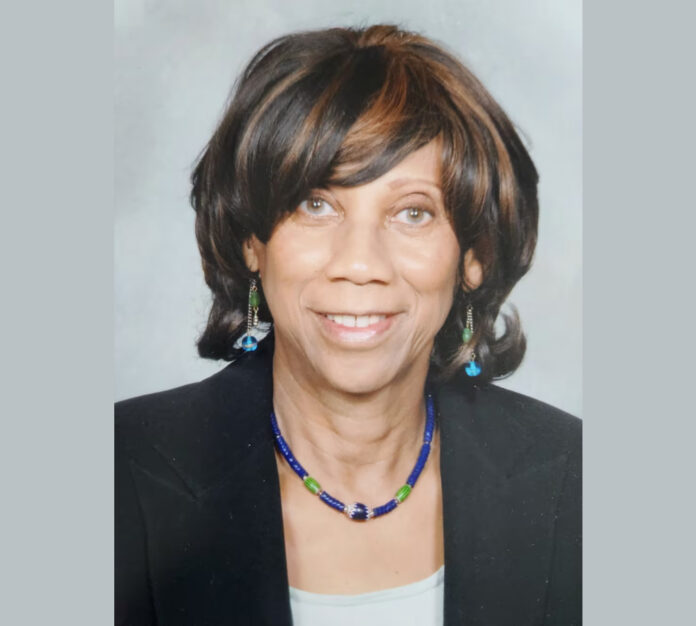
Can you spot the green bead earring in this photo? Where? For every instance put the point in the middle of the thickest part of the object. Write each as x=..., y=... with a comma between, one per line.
x=250, y=343
x=473, y=368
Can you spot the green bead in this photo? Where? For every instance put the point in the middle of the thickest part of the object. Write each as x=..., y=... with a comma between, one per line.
x=402, y=494
x=254, y=299
x=312, y=485
x=466, y=335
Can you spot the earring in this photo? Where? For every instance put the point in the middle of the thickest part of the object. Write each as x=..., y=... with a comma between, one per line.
x=250, y=343
x=473, y=368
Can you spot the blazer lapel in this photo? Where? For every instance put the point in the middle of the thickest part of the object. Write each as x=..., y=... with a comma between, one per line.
x=498, y=516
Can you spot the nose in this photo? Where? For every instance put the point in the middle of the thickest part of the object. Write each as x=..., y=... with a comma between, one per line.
x=360, y=254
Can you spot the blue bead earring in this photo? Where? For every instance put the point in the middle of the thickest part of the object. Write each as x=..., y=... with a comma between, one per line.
x=473, y=368
x=250, y=343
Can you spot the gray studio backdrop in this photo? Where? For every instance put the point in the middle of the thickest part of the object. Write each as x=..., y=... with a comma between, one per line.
x=175, y=62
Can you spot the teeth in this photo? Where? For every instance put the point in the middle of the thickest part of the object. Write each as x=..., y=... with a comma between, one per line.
x=362, y=320
x=356, y=321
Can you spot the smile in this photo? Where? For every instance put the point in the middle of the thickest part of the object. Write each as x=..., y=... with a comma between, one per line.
x=356, y=328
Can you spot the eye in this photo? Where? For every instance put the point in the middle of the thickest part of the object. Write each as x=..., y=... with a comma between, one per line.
x=414, y=216
x=317, y=207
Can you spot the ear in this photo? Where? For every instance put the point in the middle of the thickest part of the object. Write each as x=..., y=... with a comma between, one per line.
x=253, y=253
x=472, y=271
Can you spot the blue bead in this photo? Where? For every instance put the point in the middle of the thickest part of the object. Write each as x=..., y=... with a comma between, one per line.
x=385, y=508
x=430, y=421
x=284, y=449
x=331, y=501
x=420, y=464
x=249, y=343
x=359, y=511
x=472, y=369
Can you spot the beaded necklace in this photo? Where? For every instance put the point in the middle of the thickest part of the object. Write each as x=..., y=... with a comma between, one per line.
x=358, y=511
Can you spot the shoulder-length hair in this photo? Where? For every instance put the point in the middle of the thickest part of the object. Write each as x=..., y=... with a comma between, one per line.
x=342, y=106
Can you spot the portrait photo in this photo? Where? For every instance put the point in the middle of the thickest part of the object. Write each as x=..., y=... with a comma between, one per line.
x=348, y=312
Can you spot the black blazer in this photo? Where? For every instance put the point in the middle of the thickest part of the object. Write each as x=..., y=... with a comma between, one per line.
x=199, y=537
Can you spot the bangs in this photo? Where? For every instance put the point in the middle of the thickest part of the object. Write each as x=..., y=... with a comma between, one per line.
x=401, y=116
x=345, y=122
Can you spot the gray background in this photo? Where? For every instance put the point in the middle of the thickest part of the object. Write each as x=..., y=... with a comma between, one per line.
x=175, y=64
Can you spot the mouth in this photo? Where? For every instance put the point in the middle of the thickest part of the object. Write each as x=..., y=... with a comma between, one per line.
x=356, y=328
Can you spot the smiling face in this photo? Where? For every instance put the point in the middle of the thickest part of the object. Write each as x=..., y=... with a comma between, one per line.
x=359, y=280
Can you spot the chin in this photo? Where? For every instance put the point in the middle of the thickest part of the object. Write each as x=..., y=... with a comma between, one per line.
x=359, y=376
x=356, y=385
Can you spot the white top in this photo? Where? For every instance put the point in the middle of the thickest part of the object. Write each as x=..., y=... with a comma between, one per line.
x=418, y=604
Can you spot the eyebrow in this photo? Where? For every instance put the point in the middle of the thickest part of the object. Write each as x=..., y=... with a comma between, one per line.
x=400, y=182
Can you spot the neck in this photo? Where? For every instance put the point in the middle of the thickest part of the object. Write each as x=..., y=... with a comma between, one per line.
x=362, y=444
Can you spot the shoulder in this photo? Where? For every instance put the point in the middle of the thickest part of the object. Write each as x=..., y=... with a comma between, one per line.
x=197, y=430
x=239, y=383
x=514, y=430
x=534, y=416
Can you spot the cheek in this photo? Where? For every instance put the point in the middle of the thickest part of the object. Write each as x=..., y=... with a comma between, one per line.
x=430, y=266
x=291, y=260
x=295, y=256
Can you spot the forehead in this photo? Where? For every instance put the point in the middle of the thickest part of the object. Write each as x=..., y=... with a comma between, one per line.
x=423, y=165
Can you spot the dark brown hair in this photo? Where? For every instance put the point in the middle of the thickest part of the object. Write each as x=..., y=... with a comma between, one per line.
x=342, y=106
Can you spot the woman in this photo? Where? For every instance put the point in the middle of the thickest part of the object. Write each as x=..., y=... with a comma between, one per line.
x=367, y=198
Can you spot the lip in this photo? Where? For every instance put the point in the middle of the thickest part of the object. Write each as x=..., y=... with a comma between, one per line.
x=353, y=335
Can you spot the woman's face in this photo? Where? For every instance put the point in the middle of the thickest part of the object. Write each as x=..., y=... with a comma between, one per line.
x=360, y=279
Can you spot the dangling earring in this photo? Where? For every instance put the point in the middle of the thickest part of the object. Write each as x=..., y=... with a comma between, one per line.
x=473, y=368
x=249, y=343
